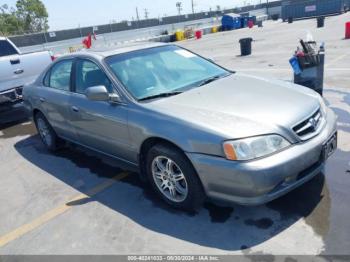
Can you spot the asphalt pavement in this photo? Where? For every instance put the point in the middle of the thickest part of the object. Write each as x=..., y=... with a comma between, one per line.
x=75, y=202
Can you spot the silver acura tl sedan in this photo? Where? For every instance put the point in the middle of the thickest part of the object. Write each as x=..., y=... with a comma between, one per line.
x=192, y=128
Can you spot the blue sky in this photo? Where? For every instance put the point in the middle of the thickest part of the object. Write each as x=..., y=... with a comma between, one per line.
x=65, y=14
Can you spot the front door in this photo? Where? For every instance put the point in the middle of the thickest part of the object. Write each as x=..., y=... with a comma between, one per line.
x=99, y=125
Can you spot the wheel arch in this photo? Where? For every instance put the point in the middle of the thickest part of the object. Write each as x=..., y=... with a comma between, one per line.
x=36, y=111
x=148, y=144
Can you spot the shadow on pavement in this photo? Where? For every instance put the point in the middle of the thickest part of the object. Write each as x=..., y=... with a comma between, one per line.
x=343, y=115
x=226, y=228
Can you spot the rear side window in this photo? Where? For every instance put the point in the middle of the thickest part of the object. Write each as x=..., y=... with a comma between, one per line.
x=60, y=75
x=6, y=48
x=47, y=79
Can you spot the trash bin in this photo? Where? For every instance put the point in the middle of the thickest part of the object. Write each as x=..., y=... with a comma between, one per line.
x=246, y=46
x=290, y=20
x=311, y=73
x=347, y=30
x=198, y=34
x=180, y=35
x=320, y=22
x=250, y=23
x=172, y=38
x=275, y=17
x=260, y=23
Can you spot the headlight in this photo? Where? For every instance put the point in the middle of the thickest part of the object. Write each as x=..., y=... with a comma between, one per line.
x=254, y=147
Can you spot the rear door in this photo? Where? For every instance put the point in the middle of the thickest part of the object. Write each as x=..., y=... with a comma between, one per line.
x=100, y=125
x=53, y=97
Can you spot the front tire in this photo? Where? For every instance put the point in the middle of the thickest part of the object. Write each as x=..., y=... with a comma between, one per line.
x=46, y=132
x=173, y=177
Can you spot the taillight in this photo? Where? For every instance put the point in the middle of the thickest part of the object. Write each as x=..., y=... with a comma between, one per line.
x=53, y=58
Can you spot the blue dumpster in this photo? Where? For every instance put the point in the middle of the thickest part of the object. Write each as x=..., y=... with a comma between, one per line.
x=244, y=21
x=230, y=22
x=236, y=23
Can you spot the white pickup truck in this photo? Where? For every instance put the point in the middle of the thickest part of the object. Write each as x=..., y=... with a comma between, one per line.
x=17, y=70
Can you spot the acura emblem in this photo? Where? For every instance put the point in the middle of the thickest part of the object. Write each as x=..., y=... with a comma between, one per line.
x=313, y=123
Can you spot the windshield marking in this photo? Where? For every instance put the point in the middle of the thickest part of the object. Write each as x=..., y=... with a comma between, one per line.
x=185, y=53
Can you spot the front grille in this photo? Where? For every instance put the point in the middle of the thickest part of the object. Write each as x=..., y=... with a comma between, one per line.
x=309, y=126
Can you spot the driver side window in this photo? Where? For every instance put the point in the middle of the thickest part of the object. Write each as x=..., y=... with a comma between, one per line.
x=88, y=74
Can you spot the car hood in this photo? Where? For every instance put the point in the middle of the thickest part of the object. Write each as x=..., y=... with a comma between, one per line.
x=241, y=105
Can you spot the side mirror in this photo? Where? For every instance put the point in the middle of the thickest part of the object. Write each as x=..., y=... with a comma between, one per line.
x=97, y=93
x=100, y=93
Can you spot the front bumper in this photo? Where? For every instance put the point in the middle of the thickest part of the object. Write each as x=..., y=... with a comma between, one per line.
x=260, y=181
x=13, y=95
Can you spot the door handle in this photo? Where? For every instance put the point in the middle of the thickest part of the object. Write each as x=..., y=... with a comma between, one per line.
x=42, y=100
x=15, y=61
x=18, y=71
x=75, y=109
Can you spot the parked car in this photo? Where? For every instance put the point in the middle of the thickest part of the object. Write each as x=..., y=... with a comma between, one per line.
x=17, y=69
x=193, y=128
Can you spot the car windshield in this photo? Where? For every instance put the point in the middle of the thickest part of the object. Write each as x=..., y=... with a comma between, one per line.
x=162, y=71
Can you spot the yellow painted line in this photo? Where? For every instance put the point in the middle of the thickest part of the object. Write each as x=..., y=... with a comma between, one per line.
x=336, y=60
x=43, y=219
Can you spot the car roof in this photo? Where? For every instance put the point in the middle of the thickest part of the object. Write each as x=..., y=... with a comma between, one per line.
x=125, y=49
x=110, y=51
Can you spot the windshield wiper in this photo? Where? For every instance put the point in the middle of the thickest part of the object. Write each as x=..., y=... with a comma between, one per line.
x=211, y=79
x=160, y=95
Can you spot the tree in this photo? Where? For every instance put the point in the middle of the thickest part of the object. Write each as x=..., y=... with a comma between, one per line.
x=29, y=17
x=33, y=15
x=9, y=23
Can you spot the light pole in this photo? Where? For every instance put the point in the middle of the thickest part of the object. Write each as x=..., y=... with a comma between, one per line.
x=267, y=8
x=137, y=14
x=179, y=8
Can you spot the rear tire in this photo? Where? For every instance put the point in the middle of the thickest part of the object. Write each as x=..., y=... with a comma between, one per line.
x=173, y=178
x=47, y=134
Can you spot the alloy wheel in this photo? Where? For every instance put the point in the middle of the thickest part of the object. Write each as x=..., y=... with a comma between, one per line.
x=169, y=179
x=44, y=131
